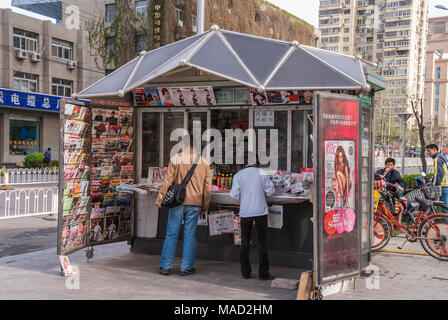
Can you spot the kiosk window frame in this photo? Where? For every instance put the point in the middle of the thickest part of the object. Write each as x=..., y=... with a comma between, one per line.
x=250, y=109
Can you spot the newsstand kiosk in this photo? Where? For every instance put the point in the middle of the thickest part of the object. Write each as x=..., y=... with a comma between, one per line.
x=311, y=115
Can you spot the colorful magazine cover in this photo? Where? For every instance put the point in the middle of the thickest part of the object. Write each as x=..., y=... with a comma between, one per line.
x=111, y=228
x=124, y=198
x=125, y=213
x=125, y=116
x=165, y=96
x=113, y=130
x=109, y=200
x=257, y=98
x=140, y=98
x=99, y=115
x=289, y=97
x=66, y=266
x=99, y=129
x=153, y=97
x=97, y=230
x=124, y=227
x=127, y=172
x=112, y=211
x=97, y=213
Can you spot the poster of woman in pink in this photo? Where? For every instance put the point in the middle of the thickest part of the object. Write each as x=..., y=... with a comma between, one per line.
x=166, y=97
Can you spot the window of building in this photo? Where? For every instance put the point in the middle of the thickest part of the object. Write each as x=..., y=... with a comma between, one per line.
x=346, y=30
x=141, y=9
x=439, y=27
x=179, y=17
x=438, y=73
x=61, y=87
x=110, y=45
x=437, y=89
x=62, y=49
x=25, y=82
x=436, y=119
x=24, y=135
x=140, y=42
x=25, y=40
x=111, y=10
x=436, y=104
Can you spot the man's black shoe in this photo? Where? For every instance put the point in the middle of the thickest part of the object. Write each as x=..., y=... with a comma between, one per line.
x=187, y=272
x=165, y=272
x=247, y=276
x=268, y=277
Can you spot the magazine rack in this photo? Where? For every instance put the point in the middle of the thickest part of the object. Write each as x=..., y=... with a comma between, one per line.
x=97, y=155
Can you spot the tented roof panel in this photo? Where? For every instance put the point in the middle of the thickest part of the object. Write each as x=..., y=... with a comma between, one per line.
x=254, y=61
x=304, y=71
x=347, y=64
x=261, y=57
x=215, y=57
x=113, y=82
x=156, y=58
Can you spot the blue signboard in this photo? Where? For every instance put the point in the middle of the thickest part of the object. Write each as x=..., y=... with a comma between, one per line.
x=29, y=100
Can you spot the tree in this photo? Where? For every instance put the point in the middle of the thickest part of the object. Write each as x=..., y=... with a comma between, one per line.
x=417, y=110
x=114, y=43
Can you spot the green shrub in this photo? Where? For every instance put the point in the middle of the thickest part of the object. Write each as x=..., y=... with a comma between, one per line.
x=410, y=183
x=54, y=163
x=34, y=160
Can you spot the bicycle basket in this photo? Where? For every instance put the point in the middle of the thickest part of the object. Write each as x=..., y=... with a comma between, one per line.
x=433, y=192
x=413, y=194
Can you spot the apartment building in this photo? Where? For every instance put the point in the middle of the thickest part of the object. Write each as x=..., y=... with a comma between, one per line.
x=391, y=33
x=40, y=62
x=436, y=79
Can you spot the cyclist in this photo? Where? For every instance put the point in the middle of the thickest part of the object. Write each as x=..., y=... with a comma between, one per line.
x=440, y=171
x=389, y=173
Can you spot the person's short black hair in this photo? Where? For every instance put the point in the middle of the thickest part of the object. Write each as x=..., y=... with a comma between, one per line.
x=49, y=149
x=389, y=160
x=432, y=146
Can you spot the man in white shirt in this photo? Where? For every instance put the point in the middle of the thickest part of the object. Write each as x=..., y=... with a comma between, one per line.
x=249, y=186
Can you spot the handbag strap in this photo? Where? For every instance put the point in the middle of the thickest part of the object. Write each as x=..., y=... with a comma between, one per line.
x=191, y=171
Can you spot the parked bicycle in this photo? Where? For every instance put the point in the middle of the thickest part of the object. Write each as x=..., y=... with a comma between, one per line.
x=425, y=224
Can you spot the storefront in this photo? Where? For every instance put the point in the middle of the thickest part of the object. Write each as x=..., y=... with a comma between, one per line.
x=297, y=100
x=29, y=122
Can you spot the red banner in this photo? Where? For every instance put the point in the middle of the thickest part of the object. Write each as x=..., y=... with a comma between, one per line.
x=339, y=174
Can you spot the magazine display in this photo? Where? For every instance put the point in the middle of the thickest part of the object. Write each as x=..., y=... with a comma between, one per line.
x=111, y=167
x=76, y=195
x=97, y=155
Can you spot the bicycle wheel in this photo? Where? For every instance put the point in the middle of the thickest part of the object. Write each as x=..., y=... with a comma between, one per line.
x=382, y=233
x=434, y=233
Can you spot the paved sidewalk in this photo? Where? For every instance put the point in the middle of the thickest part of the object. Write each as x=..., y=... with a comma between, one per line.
x=402, y=276
x=115, y=273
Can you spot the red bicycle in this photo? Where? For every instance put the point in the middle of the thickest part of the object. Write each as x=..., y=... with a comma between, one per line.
x=426, y=225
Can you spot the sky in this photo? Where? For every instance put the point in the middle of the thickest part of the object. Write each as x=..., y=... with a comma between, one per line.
x=308, y=9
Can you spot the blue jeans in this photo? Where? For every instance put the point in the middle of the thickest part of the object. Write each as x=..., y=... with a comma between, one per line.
x=444, y=198
x=190, y=216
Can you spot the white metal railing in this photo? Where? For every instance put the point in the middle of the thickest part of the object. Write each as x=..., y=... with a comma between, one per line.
x=20, y=176
x=408, y=162
x=28, y=202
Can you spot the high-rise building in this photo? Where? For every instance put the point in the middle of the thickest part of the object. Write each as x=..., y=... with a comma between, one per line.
x=436, y=78
x=390, y=33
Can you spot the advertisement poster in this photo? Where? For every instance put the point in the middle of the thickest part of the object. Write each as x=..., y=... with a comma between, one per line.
x=338, y=218
x=153, y=97
x=280, y=97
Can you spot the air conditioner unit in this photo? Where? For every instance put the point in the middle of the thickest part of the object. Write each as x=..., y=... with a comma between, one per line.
x=35, y=57
x=72, y=65
x=21, y=54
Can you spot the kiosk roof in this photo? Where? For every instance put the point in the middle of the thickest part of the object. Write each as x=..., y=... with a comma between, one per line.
x=253, y=61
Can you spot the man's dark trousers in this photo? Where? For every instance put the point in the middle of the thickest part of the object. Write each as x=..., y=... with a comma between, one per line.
x=261, y=224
